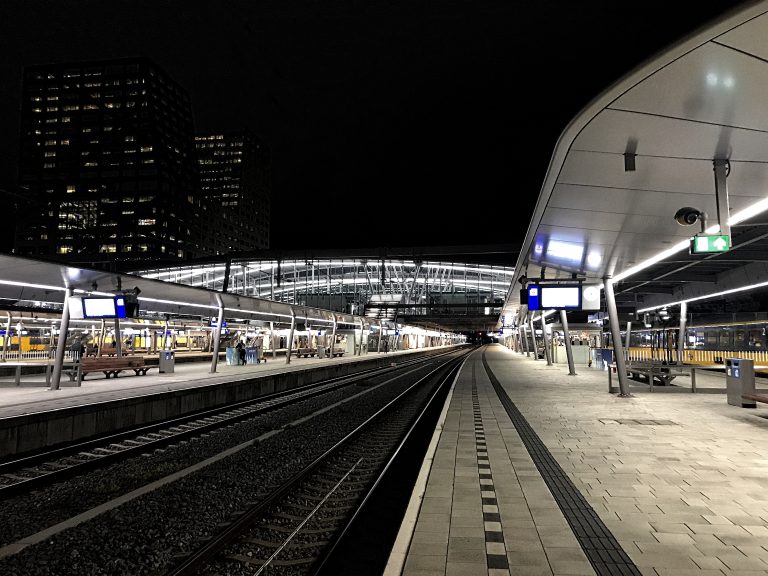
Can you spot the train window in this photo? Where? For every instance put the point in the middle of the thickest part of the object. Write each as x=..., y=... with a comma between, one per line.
x=725, y=339
x=710, y=338
x=755, y=339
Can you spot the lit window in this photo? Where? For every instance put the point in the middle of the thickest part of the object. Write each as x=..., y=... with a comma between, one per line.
x=146, y=222
x=65, y=142
x=146, y=148
x=64, y=249
x=49, y=165
x=50, y=142
x=71, y=189
x=49, y=154
x=130, y=138
x=91, y=164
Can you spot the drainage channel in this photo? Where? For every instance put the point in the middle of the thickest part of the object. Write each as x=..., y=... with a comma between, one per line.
x=600, y=546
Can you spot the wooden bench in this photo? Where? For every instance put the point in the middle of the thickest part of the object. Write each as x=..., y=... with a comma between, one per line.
x=756, y=397
x=110, y=365
x=664, y=373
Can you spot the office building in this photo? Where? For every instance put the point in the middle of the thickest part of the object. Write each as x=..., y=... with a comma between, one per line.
x=107, y=156
x=234, y=172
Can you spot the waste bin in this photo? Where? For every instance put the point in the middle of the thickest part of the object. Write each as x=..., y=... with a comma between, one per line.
x=740, y=379
x=167, y=361
x=232, y=357
x=321, y=351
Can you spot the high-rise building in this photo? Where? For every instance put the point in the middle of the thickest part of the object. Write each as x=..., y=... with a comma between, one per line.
x=235, y=184
x=108, y=158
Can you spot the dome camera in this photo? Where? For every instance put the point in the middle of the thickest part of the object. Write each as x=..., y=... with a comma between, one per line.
x=687, y=216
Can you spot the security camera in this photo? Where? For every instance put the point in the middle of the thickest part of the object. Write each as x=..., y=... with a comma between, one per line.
x=523, y=279
x=687, y=216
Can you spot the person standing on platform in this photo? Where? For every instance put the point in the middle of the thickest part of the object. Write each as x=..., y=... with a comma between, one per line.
x=77, y=349
x=240, y=353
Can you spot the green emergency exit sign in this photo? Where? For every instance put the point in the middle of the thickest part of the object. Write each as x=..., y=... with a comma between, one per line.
x=706, y=244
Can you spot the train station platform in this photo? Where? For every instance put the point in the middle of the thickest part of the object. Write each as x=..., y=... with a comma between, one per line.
x=562, y=477
x=33, y=396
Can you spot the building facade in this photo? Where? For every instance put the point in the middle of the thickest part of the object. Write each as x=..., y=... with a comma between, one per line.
x=234, y=172
x=108, y=159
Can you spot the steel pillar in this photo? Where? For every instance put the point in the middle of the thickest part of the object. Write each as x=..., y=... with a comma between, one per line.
x=681, y=334
x=567, y=337
x=290, y=337
x=61, y=345
x=618, y=349
x=547, y=348
x=216, y=337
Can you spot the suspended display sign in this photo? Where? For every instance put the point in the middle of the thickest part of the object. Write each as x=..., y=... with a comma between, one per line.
x=563, y=297
x=97, y=307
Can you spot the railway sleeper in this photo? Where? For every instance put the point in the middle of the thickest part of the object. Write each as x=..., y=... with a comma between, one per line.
x=268, y=544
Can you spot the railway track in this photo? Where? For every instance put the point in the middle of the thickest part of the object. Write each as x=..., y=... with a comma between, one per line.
x=293, y=530
x=39, y=470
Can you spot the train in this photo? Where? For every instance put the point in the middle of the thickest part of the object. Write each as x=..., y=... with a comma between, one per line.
x=705, y=344
x=35, y=337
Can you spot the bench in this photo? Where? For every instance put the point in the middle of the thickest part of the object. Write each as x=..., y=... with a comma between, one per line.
x=111, y=366
x=754, y=397
x=664, y=373
x=306, y=352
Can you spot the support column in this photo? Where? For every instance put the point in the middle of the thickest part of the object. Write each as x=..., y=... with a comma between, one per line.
x=627, y=340
x=547, y=347
x=61, y=344
x=216, y=335
x=524, y=338
x=272, y=339
x=7, y=338
x=567, y=337
x=381, y=335
x=533, y=335
x=118, y=339
x=333, y=338
x=681, y=334
x=360, y=353
x=618, y=351
x=102, y=338
x=290, y=337
x=165, y=330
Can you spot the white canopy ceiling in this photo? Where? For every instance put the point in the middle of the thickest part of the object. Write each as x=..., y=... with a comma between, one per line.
x=704, y=98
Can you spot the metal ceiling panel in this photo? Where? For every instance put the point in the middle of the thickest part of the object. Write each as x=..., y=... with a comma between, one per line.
x=701, y=100
x=714, y=84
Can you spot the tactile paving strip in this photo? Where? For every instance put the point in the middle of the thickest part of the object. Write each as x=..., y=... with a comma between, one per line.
x=600, y=546
x=495, y=548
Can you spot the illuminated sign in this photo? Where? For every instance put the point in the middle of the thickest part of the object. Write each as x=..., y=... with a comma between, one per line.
x=707, y=244
x=555, y=297
x=103, y=307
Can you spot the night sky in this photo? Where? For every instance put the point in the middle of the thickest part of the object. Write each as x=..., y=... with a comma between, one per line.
x=391, y=123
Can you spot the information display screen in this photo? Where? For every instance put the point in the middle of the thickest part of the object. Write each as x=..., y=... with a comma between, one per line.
x=555, y=297
x=561, y=297
x=104, y=307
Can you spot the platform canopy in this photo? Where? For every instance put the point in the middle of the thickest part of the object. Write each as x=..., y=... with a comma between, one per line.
x=37, y=285
x=646, y=148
